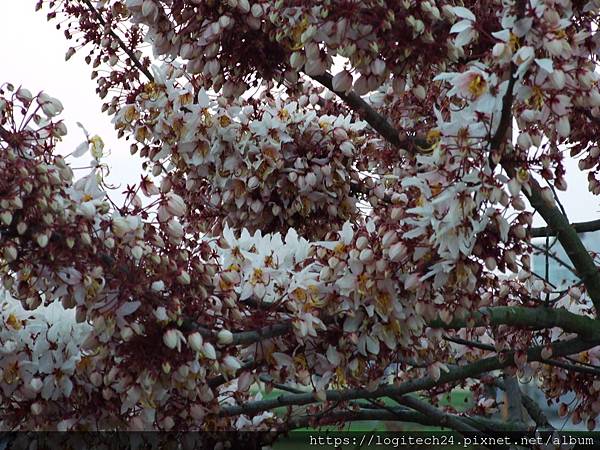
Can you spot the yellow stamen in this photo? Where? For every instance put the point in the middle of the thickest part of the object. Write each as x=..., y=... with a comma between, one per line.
x=477, y=86
x=13, y=322
x=297, y=30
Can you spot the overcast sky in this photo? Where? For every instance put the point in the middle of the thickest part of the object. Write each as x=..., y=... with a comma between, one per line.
x=32, y=54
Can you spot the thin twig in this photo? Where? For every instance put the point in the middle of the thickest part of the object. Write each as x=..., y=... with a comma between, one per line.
x=120, y=42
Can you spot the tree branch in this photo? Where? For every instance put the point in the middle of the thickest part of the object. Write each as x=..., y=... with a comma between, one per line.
x=532, y=408
x=241, y=337
x=378, y=122
x=539, y=317
x=122, y=45
x=552, y=255
x=397, y=414
x=551, y=362
x=513, y=399
x=568, y=238
x=560, y=348
x=443, y=419
x=579, y=227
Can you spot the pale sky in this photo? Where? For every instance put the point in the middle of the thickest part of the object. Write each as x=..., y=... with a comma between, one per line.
x=32, y=55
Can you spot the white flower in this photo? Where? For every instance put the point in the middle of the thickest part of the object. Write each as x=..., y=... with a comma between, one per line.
x=50, y=105
x=470, y=85
x=173, y=338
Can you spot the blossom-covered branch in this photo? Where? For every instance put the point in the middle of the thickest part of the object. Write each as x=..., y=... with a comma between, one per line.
x=560, y=348
x=246, y=253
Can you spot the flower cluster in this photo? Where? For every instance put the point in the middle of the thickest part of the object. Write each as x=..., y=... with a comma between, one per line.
x=40, y=352
x=290, y=235
x=262, y=166
x=236, y=40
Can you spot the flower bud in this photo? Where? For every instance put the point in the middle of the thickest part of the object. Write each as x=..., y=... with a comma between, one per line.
x=87, y=210
x=195, y=341
x=50, y=105
x=36, y=384
x=170, y=338
x=21, y=228
x=225, y=337
x=42, y=240
x=10, y=252
x=490, y=263
x=361, y=85
x=232, y=363
x=6, y=217
x=175, y=229
x=377, y=67
x=297, y=60
x=244, y=6
x=157, y=286
x=184, y=277
x=340, y=134
x=36, y=408
x=175, y=205
x=366, y=255
x=137, y=252
x=209, y=351
x=24, y=95
x=120, y=226
x=342, y=81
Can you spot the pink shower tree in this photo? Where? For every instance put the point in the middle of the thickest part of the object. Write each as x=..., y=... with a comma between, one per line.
x=336, y=201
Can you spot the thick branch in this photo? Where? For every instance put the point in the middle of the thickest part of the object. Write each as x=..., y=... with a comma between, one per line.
x=532, y=408
x=568, y=238
x=242, y=337
x=399, y=415
x=506, y=117
x=378, y=122
x=551, y=362
x=540, y=317
x=560, y=348
x=444, y=419
x=514, y=399
x=579, y=227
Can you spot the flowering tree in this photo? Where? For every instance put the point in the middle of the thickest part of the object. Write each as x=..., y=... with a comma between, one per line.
x=336, y=201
